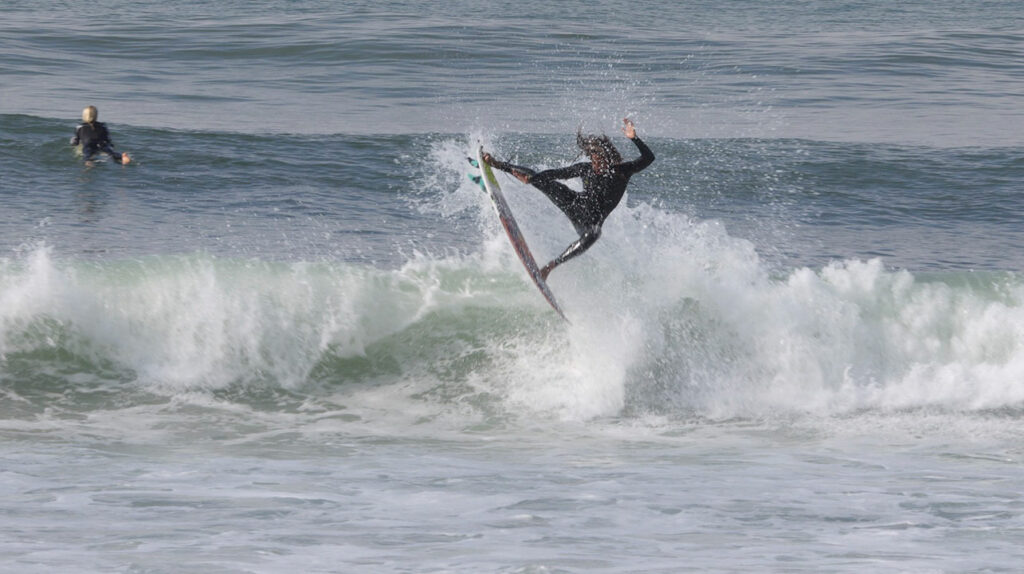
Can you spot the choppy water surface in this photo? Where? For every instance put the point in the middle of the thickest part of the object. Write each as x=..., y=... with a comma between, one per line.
x=292, y=337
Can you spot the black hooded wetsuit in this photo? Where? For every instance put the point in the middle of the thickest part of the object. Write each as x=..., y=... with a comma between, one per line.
x=588, y=209
x=94, y=138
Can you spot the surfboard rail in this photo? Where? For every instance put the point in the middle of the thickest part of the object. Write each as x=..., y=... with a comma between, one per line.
x=515, y=235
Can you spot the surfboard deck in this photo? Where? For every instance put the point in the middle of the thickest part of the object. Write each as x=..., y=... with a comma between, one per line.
x=490, y=184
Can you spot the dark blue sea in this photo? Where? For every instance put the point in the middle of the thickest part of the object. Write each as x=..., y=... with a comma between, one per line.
x=291, y=335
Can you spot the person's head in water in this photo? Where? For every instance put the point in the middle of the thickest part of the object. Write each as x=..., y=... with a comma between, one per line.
x=600, y=149
x=90, y=114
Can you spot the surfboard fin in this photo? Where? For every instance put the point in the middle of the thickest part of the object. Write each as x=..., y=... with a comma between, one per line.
x=477, y=179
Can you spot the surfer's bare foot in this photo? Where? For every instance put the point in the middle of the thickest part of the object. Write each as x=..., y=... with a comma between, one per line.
x=546, y=271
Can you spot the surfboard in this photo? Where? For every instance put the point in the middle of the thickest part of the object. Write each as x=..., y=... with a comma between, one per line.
x=489, y=183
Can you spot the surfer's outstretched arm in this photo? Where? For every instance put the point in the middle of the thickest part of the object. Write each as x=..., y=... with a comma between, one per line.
x=577, y=247
x=646, y=155
x=118, y=157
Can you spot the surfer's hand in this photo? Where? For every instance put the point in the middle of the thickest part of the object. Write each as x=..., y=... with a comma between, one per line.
x=488, y=159
x=629, y=129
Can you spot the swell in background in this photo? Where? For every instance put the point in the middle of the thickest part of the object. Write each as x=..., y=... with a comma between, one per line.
x=924, y=73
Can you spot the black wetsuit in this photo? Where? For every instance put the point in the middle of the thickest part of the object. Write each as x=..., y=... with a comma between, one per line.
x=588, y=209
x=94, y=138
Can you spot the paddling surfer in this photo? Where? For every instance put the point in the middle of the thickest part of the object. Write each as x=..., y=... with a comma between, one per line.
x=604, y=177
x=94, y=138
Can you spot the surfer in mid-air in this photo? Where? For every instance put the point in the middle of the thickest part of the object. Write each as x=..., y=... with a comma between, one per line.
x=94, y=138
x=604, y=178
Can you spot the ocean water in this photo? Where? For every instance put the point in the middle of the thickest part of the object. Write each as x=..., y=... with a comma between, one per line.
x=291, y=336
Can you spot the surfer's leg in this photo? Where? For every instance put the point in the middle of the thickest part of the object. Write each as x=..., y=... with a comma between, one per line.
x=521, y=173
x=560, y=194
x=589, y=237
x=564, y=197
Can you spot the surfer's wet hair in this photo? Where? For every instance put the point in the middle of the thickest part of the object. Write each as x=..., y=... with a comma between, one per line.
x=90, y=114
x=600, y=146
